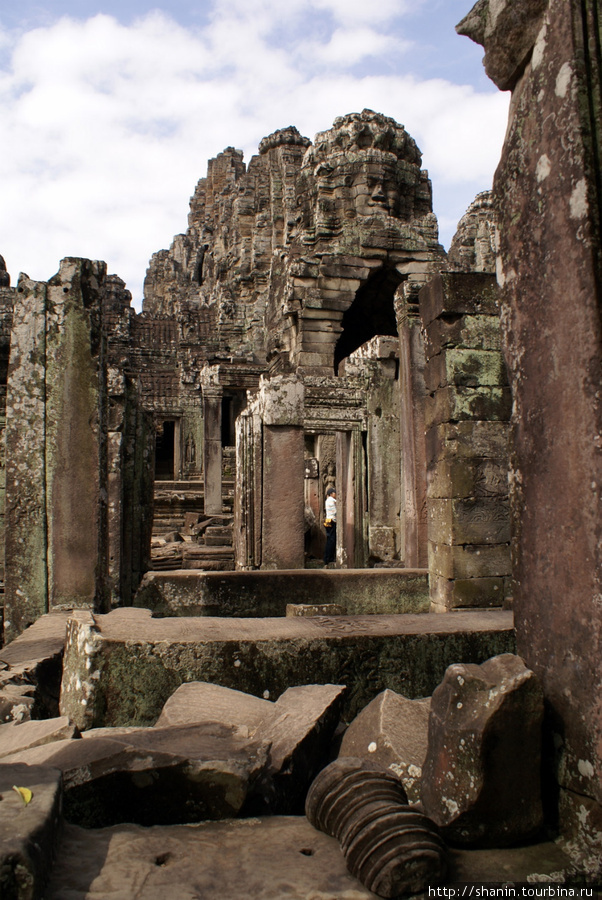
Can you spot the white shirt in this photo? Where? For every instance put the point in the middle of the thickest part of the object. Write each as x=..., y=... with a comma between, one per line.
x=331, y=508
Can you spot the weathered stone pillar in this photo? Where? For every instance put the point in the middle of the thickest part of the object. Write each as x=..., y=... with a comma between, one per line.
x=26, y=585
x=467, y=415
x=351, y=500
x=212, y=448
x=283, y=523
x=247, y=495
x=547, y=193
x=57, y=490
x=414, y=548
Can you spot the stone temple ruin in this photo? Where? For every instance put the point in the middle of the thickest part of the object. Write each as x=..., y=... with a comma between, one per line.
x=175, y=652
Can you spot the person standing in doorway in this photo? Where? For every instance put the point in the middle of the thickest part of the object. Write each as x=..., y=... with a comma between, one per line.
x=330, y=524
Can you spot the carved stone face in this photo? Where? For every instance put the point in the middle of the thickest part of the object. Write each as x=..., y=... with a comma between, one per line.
x=375, y=190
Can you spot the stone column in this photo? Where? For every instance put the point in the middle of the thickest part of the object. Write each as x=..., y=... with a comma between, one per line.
x=547, y=194
x=212, y=449
x=247, y=494
x=414, y=548
x=467, y=415
x=283, y=521
x=76, y=437
x=351, y=500
x=26, y=585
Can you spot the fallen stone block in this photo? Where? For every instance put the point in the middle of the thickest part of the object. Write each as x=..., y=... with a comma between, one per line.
x=154, y=775
x=392, y=731
x=390, y=847
x=29, y=832
x=199, y=701
x=481, y=780
x=299, y=729
x=33, y=669
x=16, y=737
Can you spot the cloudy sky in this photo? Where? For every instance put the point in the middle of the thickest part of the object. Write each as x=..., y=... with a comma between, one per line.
x=110, y=109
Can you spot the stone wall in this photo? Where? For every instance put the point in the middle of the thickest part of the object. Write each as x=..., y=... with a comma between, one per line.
x=467, y=415
x=548, y=195
x=65, y=473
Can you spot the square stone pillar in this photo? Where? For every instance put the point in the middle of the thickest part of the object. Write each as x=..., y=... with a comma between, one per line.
x=247, y=494
x=57, y=485
x=212, y=449
x=281, y=402
x=351, y=500
x=414, y=547
x=467, y=416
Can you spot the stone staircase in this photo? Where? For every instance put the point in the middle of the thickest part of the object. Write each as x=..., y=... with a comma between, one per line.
x=184, y=537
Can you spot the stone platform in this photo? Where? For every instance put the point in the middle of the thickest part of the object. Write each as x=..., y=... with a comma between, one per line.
x=259, y=859
x=257, y=594
x=120, y=668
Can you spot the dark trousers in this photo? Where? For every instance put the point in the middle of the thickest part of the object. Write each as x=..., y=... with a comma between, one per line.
x=330, y=550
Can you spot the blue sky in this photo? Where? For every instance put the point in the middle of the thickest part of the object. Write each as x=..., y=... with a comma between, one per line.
x=110, y=110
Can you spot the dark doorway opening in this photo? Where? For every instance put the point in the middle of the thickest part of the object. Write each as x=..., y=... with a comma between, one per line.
x=372, y=312
x=165, y=451
x=233, y=404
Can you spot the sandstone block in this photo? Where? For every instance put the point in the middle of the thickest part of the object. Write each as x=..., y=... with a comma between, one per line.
x=29, y=833
x=467, y=440
x=139, y=661
x=481, y=778
x=470, y=560
x=154, y=775
x=199, y=701
x=468, y=593
x=465, y=478
x=393, y=732
x=467, y=368
x=476, y=332
x=299, y=730
x=455, y=293
x=452, y=404
x=478, y=521
x=15, y=737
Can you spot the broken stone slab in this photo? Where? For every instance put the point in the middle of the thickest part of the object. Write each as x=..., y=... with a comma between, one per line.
x=155, y=775
x=30, y=681
x=15, y=737
x=392, y=731
x=138, y=661
x=481, y=779
x=199, y=701
x=299, y=728
x=315, y=609
x=29, y=832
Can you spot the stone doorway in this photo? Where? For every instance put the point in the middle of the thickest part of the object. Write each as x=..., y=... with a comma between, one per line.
x=165, y=450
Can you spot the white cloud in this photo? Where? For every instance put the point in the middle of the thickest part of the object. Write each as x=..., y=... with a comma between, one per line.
x=108, y=127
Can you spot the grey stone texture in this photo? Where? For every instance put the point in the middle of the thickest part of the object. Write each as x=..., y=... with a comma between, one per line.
x=481, y=779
